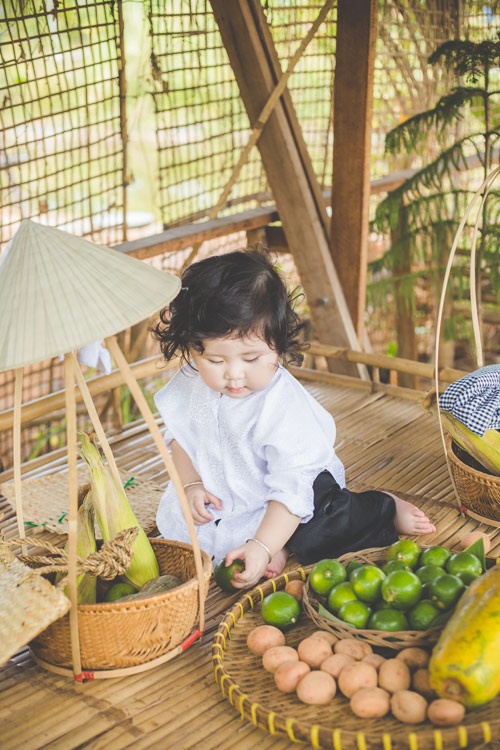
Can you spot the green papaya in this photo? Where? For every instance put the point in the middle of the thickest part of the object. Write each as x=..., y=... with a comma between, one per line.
x=465, y=662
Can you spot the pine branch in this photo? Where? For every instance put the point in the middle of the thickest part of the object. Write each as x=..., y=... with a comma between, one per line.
x=448, y=110
x=466, y=58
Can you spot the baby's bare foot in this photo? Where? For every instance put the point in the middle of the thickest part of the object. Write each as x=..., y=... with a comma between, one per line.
x=277, y=564
x=409, y=519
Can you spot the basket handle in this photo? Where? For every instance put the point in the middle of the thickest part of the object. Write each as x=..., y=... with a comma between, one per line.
x=483, y=190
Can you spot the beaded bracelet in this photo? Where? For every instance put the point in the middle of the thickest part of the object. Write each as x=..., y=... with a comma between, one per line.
x=253, y=539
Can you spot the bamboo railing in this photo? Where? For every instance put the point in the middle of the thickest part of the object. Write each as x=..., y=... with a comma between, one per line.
x=33, y=410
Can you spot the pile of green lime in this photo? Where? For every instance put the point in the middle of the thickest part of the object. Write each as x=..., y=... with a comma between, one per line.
x=415, y=589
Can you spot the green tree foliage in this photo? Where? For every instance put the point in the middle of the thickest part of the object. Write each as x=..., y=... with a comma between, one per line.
x=463, y=129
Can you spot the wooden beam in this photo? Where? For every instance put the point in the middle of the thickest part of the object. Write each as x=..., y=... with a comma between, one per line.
x=354, y=64
x=300, y=205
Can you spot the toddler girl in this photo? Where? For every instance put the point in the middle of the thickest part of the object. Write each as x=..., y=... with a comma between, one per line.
x=254, y=450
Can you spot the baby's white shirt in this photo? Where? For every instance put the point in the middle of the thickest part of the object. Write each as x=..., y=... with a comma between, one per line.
x=269, y=445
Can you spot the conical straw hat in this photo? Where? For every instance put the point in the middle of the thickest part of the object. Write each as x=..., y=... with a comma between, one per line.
x=59, y=292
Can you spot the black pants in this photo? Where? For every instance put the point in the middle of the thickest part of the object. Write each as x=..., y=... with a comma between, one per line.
x=343, y=521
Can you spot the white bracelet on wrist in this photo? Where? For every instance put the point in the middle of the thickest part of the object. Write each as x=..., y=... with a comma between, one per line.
x=264, y=546
x=191, y=484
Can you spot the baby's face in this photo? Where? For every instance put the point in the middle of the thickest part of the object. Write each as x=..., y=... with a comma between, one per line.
x=236, y=367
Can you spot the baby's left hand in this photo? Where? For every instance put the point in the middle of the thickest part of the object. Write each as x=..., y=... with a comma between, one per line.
x=256, y=562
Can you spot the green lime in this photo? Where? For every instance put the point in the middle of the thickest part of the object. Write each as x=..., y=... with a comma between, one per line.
x=465, y=565
x=355, y=613
x=388, y=619
x=224, y=575
x=280, y=609
x=428, y=573
x=393, y=565
x=325, y=574
x=402, y=589
x=339, y=595
x=446, y=590
x=120, y=589
x=405, y=550
x=423, y=615
x=351, y=567
x=366, y=582
x=434, y=556
x=382, y=604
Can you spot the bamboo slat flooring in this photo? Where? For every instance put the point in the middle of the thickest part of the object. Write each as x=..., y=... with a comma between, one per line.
x=384, y=441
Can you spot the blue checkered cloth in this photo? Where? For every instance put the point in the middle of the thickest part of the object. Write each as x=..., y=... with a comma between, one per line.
x=475, y=399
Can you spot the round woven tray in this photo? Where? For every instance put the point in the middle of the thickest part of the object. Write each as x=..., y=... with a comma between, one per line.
x=395, y=640
x=130, y=633
x=477, y=490
x=252, y=692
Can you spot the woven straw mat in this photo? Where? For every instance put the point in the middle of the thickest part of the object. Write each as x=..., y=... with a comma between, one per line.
x=28, y=604
x=45, y=499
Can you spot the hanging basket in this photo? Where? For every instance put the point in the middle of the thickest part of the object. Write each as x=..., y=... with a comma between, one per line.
x=478, y=491
x=379, y=638
x=132, y=634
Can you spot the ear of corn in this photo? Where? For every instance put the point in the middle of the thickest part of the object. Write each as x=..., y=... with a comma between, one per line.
x=484, y=449
x=113, y=514
x=85, y=545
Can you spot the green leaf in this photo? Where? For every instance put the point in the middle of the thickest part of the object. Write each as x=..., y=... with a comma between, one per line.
x=325, y=613
x=477, y=549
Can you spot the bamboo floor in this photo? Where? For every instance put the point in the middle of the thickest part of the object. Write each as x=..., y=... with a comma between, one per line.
x=385, y=442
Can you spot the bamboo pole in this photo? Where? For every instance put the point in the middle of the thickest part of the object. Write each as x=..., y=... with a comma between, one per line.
x=18, y=397
x=141, y=402
x=96, y=422
x=69, y=381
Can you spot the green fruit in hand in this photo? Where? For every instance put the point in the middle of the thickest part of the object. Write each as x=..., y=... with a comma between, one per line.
x=340, y=594
x=388, y=619
x=402, y=589
x=355, y=613
x=465, y=565
x=392, y=565
x=434, y=556
x=446, y=590
x=280, y=609
x=117, y=590
x=366, y=582
x=325, y=574
x=405, y=550
x=423, y=615
x=223, y=575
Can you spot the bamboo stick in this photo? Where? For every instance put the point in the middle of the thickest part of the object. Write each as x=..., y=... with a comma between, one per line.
x=169, y=463
x=69, y=382
x=18, y=396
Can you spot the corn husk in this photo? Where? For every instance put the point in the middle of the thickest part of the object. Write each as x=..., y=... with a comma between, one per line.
x=113, y=514
x=85, y=544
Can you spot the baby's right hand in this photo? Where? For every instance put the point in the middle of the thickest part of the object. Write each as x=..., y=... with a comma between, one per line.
x=198, y=497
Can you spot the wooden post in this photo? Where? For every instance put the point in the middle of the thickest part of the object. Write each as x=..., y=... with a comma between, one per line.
x=353, y=99
x=251, y=51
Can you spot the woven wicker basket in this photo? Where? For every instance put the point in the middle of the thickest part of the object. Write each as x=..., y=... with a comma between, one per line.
x=477, y=490
x=251, y=690
x=130, y=633
x=394, y=640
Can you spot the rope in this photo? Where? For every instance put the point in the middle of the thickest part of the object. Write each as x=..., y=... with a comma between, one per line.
x=113, y=558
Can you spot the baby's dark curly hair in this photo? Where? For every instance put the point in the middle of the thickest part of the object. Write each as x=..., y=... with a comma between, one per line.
x=239, y=293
